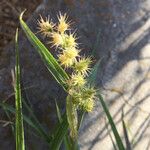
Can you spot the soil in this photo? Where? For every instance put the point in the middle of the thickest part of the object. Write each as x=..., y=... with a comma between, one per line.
x=9, y=13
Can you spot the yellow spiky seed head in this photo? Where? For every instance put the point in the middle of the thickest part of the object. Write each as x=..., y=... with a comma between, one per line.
x=63, y=25
x=70, y=40
x=88, y=105
x=57, y=39
x=71, y=52
x=82, y=66
x=88, y=93
x=45, y=26
x=83, y=97
x=77, y=80
x=68, y=57
x=76, y=96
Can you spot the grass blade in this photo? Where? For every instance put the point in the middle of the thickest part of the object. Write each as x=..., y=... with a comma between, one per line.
x=56, y=70
x=20, y=145
x=111, y=138
x=127, y=141
x=58, y=112
x=111, y=122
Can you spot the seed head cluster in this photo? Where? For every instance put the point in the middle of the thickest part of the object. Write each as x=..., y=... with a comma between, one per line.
x=65, y=42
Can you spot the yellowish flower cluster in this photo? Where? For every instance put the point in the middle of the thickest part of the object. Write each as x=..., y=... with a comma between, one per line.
x=83, y=97
x=45, y=27
x=63, y=24
x=61, y=37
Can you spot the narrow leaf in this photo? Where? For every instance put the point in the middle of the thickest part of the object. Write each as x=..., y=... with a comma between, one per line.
x=20, y=145
x=128, y=145
x=58, y=112
x=113, y=143
x=112, y=124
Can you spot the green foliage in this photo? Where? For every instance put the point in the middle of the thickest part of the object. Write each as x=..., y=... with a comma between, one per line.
x=67, y=121
x=58, y=73
x=61, y=76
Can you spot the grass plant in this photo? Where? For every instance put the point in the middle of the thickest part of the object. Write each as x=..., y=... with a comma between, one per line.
x=79, y=85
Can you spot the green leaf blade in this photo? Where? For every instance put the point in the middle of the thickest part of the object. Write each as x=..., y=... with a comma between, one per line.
x=112, y=124
x=20, y=144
